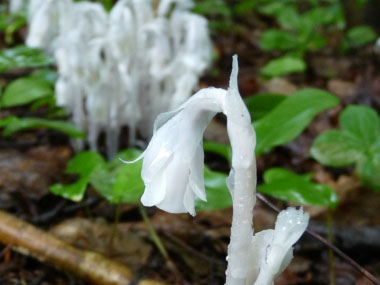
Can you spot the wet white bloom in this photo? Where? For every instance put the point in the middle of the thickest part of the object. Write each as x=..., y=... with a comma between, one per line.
x=173, y=162
x=124, y=63
x=271, y=250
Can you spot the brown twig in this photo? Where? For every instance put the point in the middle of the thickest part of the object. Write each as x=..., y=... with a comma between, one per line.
x=337, y=251
x=87, y=265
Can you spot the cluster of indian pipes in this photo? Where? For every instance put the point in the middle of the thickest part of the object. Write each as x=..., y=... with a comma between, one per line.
x=173, y=175
x=124, y=67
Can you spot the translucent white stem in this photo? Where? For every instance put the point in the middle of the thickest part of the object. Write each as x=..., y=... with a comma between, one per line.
x=244, y=200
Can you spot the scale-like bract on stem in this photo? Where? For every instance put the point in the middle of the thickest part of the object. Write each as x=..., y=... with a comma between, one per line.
x=173, y=176
x=121, y=68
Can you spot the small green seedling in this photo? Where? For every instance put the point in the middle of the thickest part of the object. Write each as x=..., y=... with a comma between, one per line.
x=356, y=143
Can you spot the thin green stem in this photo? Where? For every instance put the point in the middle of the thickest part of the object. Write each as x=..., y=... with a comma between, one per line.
x=115, y=223
x=156, y=239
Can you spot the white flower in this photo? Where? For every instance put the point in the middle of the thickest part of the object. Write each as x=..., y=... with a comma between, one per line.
x=16, y=5
x=45, y=18
x=271, y=250
x=173, y=162
x=125, y=64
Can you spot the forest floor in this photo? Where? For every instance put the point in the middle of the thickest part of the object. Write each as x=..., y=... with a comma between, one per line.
x=31, y=161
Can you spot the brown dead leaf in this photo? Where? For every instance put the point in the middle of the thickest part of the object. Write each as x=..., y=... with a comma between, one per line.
x=278, y=86
x=32, y=173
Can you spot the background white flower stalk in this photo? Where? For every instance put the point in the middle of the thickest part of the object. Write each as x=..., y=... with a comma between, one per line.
x=16, y=5
x=121, y=69
x=173, y=175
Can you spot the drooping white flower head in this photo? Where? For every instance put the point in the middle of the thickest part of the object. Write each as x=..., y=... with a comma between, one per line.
x=173, y=161
x=271, y=250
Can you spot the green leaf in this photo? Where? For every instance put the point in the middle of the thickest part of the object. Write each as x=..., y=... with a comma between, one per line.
x=83, y=164
x=286, y=185
x=22, y=56
x=118, y=181
x=47, y=74
x=278, y=40
x=289, y=18
x=272, y=8
x=283, y=65
x=244, y=7
x=13, y=124
x=212, y=7
x=25, y=90
x=261, y=104
x=286, y=121
x=218, y=195
x=336, y=148
x=218, y=148
x=369, y=169
x=128, y=186
x=362, y=123
x=327, y=15
x=360, y=36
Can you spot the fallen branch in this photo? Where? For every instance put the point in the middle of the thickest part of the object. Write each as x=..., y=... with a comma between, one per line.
x=87, y=265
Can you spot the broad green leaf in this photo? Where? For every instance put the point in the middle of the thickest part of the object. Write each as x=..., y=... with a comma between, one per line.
x=218, y=148
x=275, y=174
x=289, y=18
x=336, y=148
x=218, y=195
x=286, y=185
x=118, y=181
x=128, y=186
x=362, y=123
x=278, y=40
x=22, y=56
x=244, y=7
x=212, y=7
x=25, y=90
x=369, y=170
x=283, y=65
x=13, y=124
x=272, y=8
x=360, y=36
x=324, y=15
x=47, y=74
x=289, y=118
x=83, y=164
x=261, y=104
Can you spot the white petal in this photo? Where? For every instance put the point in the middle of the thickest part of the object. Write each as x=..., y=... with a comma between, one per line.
x=177, y=178
x=155, y=191
x=188, y=200
x=196, y=179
